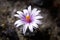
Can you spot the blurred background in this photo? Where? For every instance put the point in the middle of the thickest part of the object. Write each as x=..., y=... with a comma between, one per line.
x=49, y=30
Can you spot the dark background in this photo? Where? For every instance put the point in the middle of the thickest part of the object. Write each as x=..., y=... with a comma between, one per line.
x=49, y=30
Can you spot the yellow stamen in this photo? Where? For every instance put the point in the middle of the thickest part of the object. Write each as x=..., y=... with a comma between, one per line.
x=28, y=18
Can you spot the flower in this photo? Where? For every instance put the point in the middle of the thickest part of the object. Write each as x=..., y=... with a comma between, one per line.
x=28, y=18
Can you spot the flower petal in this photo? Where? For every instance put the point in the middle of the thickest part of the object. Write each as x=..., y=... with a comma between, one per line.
x=25, y=11
x=18, y=22
x=38, y=17
x=38, y=22
x=25, y=28
x=16, y=15
x=34, y=10
x=31, y=27
x=29, y=8
x=35, y=25
x=37, y=13
x=19, y=12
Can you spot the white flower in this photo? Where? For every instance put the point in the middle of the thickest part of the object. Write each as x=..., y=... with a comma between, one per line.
x=28, y=18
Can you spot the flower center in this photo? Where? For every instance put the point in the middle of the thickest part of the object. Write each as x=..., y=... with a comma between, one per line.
x=28, y=19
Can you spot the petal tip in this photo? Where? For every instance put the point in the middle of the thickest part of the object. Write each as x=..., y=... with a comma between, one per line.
x=29, y=8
